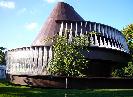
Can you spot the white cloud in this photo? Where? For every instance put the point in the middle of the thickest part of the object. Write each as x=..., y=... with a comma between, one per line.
x=25, y=10
x=7, y=4
x=52, y=1
x=31, y=26
x=21, y=11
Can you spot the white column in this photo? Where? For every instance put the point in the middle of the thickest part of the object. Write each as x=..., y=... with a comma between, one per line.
x=61, y=29
x=20, y=62
x=45, y=61
x=105, y=43
x=20, y=57
x=113, y=33
x=119, y=46
x=106, y=31
x=95, y=27
x=120, y=37
x=90, y=27
x=26, y=61
x=66, y=28
x=103, y=30
x=40, y=60
x=70, y=35
x=116, y=35
x=23, y=61
x=101, y=42
x=50, y=53
x=50, y=56
x=86, y=23
x=109, y=44
x=96, y=40
x=110, y=30
x=100, y=28
x=17, y=60
x=91, y=40
x=31, y=60
x=109, y=35
x=76, y=30
x=81, y=29
x=113, y=46
x=35, y=60
x=14, y=60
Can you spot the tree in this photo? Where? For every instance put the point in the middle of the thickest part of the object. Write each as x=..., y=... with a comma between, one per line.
x=67, y=57
x=128, y=70
x=2, y=55
x=128, y=32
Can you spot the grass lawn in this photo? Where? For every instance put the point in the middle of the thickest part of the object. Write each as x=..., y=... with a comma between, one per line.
x=8, y=90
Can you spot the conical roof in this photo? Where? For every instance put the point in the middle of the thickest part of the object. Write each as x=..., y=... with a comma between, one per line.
x=62, y=11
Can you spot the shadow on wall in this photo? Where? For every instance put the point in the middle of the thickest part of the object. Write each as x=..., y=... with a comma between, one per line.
x=28, y=81
x=45, y=81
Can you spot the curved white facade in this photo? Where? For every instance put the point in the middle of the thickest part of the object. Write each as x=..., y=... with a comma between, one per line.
x=34, y=60
x=100, y=35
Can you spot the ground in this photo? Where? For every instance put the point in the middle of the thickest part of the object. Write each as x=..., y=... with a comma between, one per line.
x=9, y=90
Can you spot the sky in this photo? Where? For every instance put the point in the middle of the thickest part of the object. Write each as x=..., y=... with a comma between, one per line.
x=21, y=20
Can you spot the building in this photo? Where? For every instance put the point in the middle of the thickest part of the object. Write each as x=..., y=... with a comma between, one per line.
x=108, y=47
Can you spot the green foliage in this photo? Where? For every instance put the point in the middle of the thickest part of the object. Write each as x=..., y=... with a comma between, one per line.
x=67, y=57
x=2, y=55
x=128, y=32
x=118, y=72
x=128, y=70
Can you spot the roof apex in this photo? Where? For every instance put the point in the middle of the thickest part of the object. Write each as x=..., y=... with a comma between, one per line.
x=62, y=11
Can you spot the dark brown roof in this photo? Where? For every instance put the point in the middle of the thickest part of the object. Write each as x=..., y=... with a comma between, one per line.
x=62, y=11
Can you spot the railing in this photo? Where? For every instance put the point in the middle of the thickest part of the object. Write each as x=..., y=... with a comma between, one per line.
x=34, y=60
x=100, y=35
x=28, y=60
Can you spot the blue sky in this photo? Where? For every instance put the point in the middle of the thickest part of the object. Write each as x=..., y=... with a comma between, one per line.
x=21, y=20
